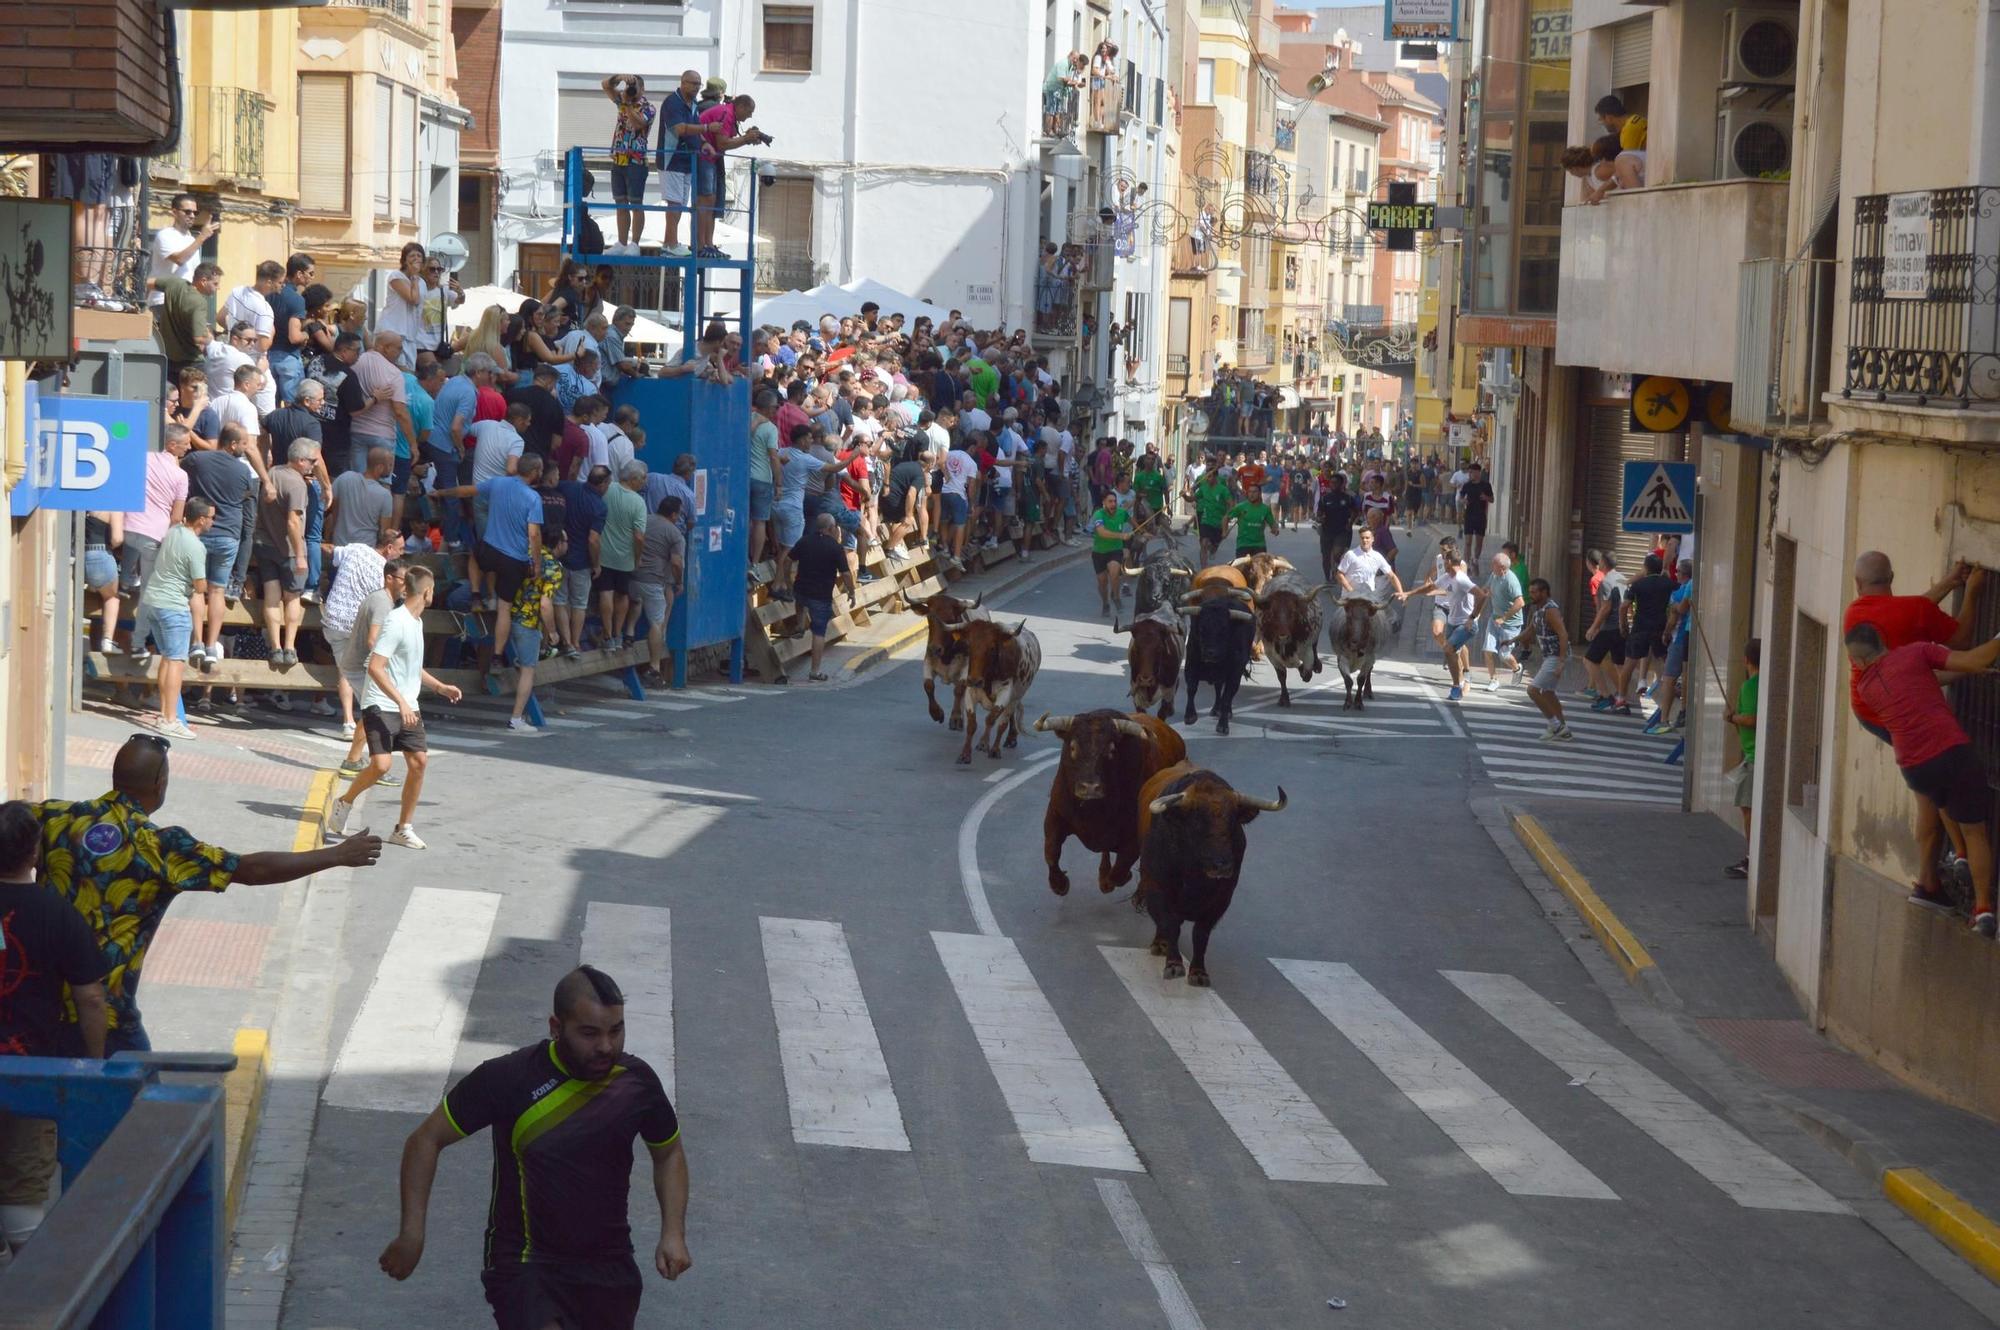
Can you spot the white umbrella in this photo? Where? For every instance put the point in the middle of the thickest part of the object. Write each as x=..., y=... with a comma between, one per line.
x=479, y=299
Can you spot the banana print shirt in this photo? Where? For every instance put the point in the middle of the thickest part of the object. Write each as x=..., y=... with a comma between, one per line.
x=121, y=873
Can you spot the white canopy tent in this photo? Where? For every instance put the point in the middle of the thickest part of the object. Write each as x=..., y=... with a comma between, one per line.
x=843, y=300
x=479, y=299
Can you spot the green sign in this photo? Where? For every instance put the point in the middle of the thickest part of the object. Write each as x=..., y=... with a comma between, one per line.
x=1402, y=216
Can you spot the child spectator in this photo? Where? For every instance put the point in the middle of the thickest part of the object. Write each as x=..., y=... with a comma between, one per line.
x=1743, y=778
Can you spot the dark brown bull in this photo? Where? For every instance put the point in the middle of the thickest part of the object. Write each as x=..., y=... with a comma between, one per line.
x=1191, y=854
x=941, y=614
x=1000, y=663
x=1260, y=568
x=1288, y=624
x=1153, y=662
x=1351, y=634
x=1107, y=758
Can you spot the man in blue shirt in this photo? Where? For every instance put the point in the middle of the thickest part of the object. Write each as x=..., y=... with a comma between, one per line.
x=452, y=415
x=575, y=379
x=512, y=545
x=680, y=137
x=1680, y=614
x=421, y=389
x=584, y=511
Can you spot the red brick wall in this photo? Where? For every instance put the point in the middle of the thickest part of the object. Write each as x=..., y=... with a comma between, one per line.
x=83, y=72
x=477, y=33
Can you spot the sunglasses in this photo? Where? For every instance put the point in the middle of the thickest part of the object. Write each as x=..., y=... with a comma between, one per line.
x=158, y=741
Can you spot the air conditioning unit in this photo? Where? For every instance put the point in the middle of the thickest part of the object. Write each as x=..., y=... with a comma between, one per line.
x=1753, y=142
x=1760, y=46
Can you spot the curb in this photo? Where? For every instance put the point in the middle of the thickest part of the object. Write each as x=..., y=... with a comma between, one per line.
x=243, y=1106
x=1950, y=1220
x=881, y=651
x=1618, y=942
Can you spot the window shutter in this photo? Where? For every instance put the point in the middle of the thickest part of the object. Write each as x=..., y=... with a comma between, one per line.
x=383, y=171
x=324, y=161
x=1632, y=53
x=584, y=119
x=407, y=167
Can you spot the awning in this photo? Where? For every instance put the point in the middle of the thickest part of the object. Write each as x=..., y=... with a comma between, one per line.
x=1288, y=398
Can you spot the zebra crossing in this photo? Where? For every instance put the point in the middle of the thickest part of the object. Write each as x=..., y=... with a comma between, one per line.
x=1402, y=708
x=406, y=1037
x=597, y=704
x=1610, y=760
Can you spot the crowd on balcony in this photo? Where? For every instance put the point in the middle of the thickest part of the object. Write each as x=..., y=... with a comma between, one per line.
x=1615, y=159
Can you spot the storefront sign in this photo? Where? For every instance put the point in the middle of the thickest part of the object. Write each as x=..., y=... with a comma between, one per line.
x=1402, y=216
x=1906, y=247
x=1660, y=404
x=1548, y=35
x=1421, y=21
x=84, y=453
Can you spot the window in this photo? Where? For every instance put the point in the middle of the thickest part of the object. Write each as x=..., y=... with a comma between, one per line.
x=325, y=166
x=785, y=235
x=1808, y=693
x=1137, y=333
x=381, y=169
x=788, y=39
x=407, y=157
x=584, y=119
x=1204, y=82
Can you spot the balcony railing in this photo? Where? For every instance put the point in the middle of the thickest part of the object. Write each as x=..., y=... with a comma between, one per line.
x=1177, y=363
x=1923, y=323
x=778, y=270
x=399, y=8
x=222, y=138
x=1260, y=173
x=1253, y=347
x=1107, y=106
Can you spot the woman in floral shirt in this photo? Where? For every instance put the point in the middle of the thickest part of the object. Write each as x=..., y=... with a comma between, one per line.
x=628, y=157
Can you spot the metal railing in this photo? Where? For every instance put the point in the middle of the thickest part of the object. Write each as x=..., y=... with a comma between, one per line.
x=1176, y=363
x=222, y=138
x=1923, y=323
x=785, y=271
x=400, y=8
x=1260, y=173
x=1253, y=347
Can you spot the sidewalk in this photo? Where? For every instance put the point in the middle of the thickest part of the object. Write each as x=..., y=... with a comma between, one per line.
x=1658, y=875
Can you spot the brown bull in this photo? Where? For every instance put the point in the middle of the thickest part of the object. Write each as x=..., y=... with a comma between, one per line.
x=1352, y=635
x=1191, y=854
x=1107, y=757
x=1288, y=624
x=1153, y=661
x=1000, y=664
x=1258, y=569
x=941, y=614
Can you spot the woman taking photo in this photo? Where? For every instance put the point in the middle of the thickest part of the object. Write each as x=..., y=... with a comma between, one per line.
x=403, y=303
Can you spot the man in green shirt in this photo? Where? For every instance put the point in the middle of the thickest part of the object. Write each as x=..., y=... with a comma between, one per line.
x=1110, y=528
x=1250, y=517
x=1211, y=508
x=983, y=379
x=1743, y=779
x=764, y=443
x=1151, y=484
x=621, y=544
x=180, y=572
x=185, y=317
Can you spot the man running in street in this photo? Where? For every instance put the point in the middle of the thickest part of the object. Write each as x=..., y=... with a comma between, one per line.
x=1211, y=509
x=1546, y=630
x=563, y=1114
x=1336, y=514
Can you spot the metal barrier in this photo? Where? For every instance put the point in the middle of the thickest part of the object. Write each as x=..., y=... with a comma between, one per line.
x=137, y=1238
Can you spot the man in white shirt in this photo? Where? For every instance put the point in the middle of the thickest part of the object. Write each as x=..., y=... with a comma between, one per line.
x=252, y=305
x=496, y=443
x=1362, y=570
x=223, y=356
x=1460, y=595
x=1010, y=456
x=961, y=477
x=389, y=714
x=971, y=417
x=618, y=446
x=177, y=246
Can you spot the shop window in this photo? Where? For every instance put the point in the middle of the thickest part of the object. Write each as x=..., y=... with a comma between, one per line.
x=1808, y=714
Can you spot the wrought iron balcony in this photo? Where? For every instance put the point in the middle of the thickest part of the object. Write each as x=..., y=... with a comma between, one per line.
x=1261, y=173
x=1177, y=363
x=1923, y=322
x=398, y=8
x=222, y=138
x=779, y=270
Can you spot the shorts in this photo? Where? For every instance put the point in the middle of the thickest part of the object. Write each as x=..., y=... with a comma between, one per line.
x=172, y=630
x=287, y=373
x=708, y=182
x=1244, y=551
x=575, y=592
x=86, y=177
x=788, y=524
x=819, y=613
x=617, y=581
x=221, y=556
x=956, y=509
x=760, y=500
x=27, y=1160
x=135, y=561
x=399, y=479
x=675, y=187
x=849, y=522
x=508, y=573
x=1003, y=502
x=1211, y=535
x=525, y=645
x=652, y=597
x=1742, y=782
x=1677, y=651
x=1608, y=642
x=1475, y=523
x=1102, y=559
x=277, y=566
x=387, y=733
x=628, y=182
x=1641, y=645
x=1500, y=637
x=100, y=569
x=585, y=1295
x=1547, y=675
x=1955, y=781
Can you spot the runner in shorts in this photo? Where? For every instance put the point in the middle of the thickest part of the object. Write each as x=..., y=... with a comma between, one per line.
x=1546, y=631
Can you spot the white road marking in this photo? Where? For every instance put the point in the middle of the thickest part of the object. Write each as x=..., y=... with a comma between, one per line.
x=1492, y=1131
x=1444, y=708
x=1619, y=796
x=1590, y=779
x=460, y=741
x=697, y=792
x=996, y=777
x=634, y=944
x=606, y=713
x=714, y=695
x=835, y=1077
x=970, y=879
x=1281, y=1127
x=399, y=1050
x=1145, y=1249
x=1057, y=1105
x=1748, y=1173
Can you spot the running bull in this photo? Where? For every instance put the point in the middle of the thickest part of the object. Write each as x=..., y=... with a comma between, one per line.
x=1153, y=660
x=1107, y=758
x=1191, y=854
x=999, y=664
x=943, y=613
x=1221, y=631
x=1352, y=634
x=1288, y=624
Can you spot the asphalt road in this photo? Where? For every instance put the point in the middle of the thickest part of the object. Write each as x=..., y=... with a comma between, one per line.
x=919, y=1090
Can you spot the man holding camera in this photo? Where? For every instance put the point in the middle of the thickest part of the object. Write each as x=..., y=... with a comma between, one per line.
x=628, y=157
x=722, y=128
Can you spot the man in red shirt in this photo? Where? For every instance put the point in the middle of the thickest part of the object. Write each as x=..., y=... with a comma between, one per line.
x=1900, y=687
x=719, y=133
x=1901, y=620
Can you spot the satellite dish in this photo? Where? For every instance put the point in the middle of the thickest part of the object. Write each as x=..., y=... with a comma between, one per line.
x=450, y=247
x=1198, y=422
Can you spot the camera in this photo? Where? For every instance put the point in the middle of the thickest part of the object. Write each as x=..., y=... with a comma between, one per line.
x=765, y=139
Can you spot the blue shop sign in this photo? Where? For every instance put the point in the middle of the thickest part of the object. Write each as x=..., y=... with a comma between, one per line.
x=84, y=452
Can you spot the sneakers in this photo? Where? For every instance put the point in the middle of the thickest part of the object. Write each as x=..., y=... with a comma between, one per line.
x=1493, y=685
x=1546, y=736
x=574, y=653
x=279, y=702
x=308, y=597
x=1741, y=868
x=1591, y=693
x=1455, y=694
x=175, y=729
x=676, y=251
x=321, y=707
x=1602, y=704
x=406, y=837
x=347, y=729
x=520, y=725
x=1564, y=735
x=1983, y=923
x=140, y=658
x=1621, y=709
x=337, y=818
x=349, y=770
x=109, y=648
x=1656, y=727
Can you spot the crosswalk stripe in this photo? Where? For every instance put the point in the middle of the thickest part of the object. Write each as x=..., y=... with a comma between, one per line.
x=1569, y=776
x=1583, y=748
x=607, y=713
x=1625, y=732
x=399, y=1050
x=459, y=741
x=1493, y=1132
x=715, y=695
x=1619, y=796
x=1057, y=1105
x=835, y=1076
x=634, y=944
x=1749, y=1174
x=1274, y=717
x=1281, y=1127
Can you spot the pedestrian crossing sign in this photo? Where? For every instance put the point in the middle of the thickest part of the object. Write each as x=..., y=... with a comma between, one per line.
x=1659, y=497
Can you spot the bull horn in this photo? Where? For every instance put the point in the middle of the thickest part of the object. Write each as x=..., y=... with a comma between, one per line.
x=1264, y=805
x=1242, y=616
x=1018, y=628
x=1057, y=724
x=1132, y=729
x=975, y=601
x=1163, y=803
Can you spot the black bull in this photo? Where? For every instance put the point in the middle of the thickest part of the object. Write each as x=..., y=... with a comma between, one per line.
x=1221, y=630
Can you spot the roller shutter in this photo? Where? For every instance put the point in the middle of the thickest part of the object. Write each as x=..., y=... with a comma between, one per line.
x=1632, y=53
x=325, y=165
x=1612, y=445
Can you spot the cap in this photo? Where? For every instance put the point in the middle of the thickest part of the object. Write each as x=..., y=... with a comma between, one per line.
x=715, y=86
